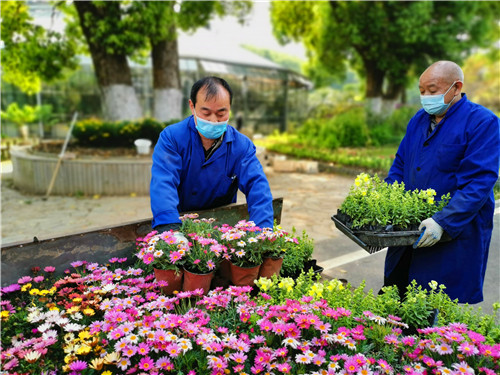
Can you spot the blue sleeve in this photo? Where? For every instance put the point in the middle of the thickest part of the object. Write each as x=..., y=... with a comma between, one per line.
x=165, y=179
x=476, y=176
x=253, y=183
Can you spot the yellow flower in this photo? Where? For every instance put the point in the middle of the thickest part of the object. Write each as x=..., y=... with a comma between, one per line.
x=44, y=292
x=77, y=299
x=88, y=311
x=26, y=287
x=73, y=309
x=55, y=308
x=84, y=349
x=34, y=291
x=430, y=200
x=111, y=358
x=84, y=335
x=4, y=314
x=97, y=364
x=107, y=372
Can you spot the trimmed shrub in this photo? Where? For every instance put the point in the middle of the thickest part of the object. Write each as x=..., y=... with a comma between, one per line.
x=95, y=132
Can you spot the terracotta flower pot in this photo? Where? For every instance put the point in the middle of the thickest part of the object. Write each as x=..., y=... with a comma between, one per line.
x=194, y=281
x=172, y=277
x=224, y=270
x=270, y=267
x=241, y=276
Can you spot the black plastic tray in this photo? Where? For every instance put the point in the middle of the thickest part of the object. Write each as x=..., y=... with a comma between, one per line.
x=373, y=241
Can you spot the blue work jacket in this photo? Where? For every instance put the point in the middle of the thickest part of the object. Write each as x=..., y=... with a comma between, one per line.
x=461, y=156
x=182, y=181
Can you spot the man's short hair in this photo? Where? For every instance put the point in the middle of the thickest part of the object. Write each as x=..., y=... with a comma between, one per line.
x=211, y=84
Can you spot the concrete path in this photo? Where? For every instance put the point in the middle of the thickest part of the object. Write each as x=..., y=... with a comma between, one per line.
x=310, y=199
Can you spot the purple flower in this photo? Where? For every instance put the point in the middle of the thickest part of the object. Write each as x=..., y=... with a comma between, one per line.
x=78, y=366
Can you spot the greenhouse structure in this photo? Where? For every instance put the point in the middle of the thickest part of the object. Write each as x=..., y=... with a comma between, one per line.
x=267, y=97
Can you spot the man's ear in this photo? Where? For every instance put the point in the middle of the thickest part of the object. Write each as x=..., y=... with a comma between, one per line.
x=191, y=106
x=459, y=85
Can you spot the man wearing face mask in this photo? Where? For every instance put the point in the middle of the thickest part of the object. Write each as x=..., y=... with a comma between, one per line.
x=201, y=162
x=451, y=145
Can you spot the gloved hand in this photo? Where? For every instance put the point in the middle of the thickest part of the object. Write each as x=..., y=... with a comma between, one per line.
x=180, y=238
x=431, y=235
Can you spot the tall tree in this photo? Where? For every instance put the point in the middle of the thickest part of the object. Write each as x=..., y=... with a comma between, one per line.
x=112, y=34
x=120, y=29
x=384, y=41
x=30, y=53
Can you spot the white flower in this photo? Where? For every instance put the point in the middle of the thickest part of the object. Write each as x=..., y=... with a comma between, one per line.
x=290, y=341
x=44, y=327
x=77, y=316
x=50, y=334
x=73, y=327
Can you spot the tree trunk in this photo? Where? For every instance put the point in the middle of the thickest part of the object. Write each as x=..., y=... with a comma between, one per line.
x=118, y=96
x=166, y=79
x=374, y=85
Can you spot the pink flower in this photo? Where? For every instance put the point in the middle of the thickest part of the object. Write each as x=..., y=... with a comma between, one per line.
x=468, y=349
x=49, y=269
x=146, y=363
x=148, y=258
x=24, y=280
x=443, y=348
x=38, y=279
x=175, y=256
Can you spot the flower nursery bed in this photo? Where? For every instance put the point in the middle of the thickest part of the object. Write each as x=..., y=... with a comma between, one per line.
x=112, y=319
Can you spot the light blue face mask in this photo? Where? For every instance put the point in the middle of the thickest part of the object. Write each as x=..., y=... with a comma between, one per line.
x=209, y=129
x=434, y=104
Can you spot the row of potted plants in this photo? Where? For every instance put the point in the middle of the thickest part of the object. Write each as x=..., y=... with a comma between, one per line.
x=112, y=319
x=238, y=254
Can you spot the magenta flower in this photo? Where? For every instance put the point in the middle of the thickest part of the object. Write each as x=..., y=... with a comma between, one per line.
x=148, y=258
x=146, y=363
x=78, y=366
x=49, y=269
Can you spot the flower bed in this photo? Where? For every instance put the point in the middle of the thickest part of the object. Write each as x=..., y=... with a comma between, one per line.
x=105, y=319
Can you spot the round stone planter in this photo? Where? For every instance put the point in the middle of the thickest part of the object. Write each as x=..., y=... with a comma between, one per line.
x=32, y=173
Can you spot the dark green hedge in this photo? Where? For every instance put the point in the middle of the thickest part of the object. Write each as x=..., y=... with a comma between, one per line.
x=95, y=132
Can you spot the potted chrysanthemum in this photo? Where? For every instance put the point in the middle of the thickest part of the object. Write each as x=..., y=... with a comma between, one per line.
x=244, y=250
x=275, y=243
x=166, y=254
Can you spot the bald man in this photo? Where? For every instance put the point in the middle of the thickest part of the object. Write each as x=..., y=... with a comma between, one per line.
x=452, y=146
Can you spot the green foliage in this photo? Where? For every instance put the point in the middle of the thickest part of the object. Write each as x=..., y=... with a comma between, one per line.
x=417, y=310
x=388, y=41
x=20, y=116
x=372, y=203
x=98, y=133
x=297, y=254
x=31, y=53
x=368, y=158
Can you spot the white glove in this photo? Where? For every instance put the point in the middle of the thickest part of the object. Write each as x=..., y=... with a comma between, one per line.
x=432, y=233
x=180, y=238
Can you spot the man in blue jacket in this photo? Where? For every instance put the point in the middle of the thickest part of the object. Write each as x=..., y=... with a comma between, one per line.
x=201, y=162
x=451, y=145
